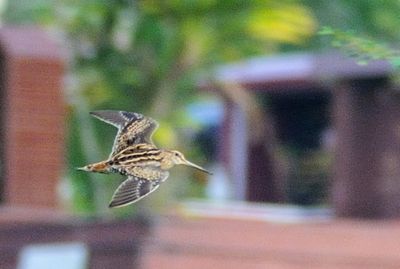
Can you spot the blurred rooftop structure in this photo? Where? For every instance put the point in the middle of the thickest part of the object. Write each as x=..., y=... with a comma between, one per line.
x=358, y=103
x=299, y=71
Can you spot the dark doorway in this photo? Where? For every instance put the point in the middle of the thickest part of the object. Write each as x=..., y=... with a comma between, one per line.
x=303, y=126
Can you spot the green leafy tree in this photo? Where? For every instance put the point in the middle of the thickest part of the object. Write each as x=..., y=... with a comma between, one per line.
x=147, y=56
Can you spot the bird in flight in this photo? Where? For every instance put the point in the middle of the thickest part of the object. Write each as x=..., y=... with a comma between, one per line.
x=134, y=155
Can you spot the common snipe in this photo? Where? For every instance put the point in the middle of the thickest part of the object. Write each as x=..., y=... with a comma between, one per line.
x=135, y=155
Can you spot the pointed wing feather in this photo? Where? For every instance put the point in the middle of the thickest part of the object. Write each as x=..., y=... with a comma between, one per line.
x=112, y=117
x=132, y=190
x=133, y=128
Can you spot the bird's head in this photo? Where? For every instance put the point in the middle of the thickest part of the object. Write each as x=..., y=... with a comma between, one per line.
x=178, y=158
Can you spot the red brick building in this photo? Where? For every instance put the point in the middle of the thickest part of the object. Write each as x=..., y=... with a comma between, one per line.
x=32, y=118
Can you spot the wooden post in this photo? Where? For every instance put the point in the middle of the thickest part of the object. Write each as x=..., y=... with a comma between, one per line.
x=367, y=168
x=253, y=168
x=33, y=117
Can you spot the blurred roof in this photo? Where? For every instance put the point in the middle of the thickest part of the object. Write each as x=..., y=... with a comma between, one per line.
x=298, y=70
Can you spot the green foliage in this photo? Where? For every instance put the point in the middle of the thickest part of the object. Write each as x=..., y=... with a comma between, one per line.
x=367, y=18
x=364, y=49
x=82, y=186
x=367, y=30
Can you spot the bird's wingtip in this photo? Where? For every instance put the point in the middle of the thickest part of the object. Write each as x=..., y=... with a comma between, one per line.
x=112, y=204
x=94, y=113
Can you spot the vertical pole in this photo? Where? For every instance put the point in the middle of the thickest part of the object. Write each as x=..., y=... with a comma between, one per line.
x=357, y=174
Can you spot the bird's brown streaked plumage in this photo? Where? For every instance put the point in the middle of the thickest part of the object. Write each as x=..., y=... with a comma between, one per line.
x=135, y=155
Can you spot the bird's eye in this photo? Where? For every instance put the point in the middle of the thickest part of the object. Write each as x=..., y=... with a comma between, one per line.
x=176, y=154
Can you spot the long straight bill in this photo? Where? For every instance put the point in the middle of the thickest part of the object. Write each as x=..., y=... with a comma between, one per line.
x=197, y=167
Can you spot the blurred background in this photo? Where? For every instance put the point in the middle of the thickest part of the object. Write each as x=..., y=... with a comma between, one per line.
x=293, y=105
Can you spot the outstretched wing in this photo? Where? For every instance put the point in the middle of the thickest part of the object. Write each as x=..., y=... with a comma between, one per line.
x=133, y=128
x=132, y=190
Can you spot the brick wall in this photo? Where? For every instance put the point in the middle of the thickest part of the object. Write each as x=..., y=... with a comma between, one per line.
x=32, y=117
